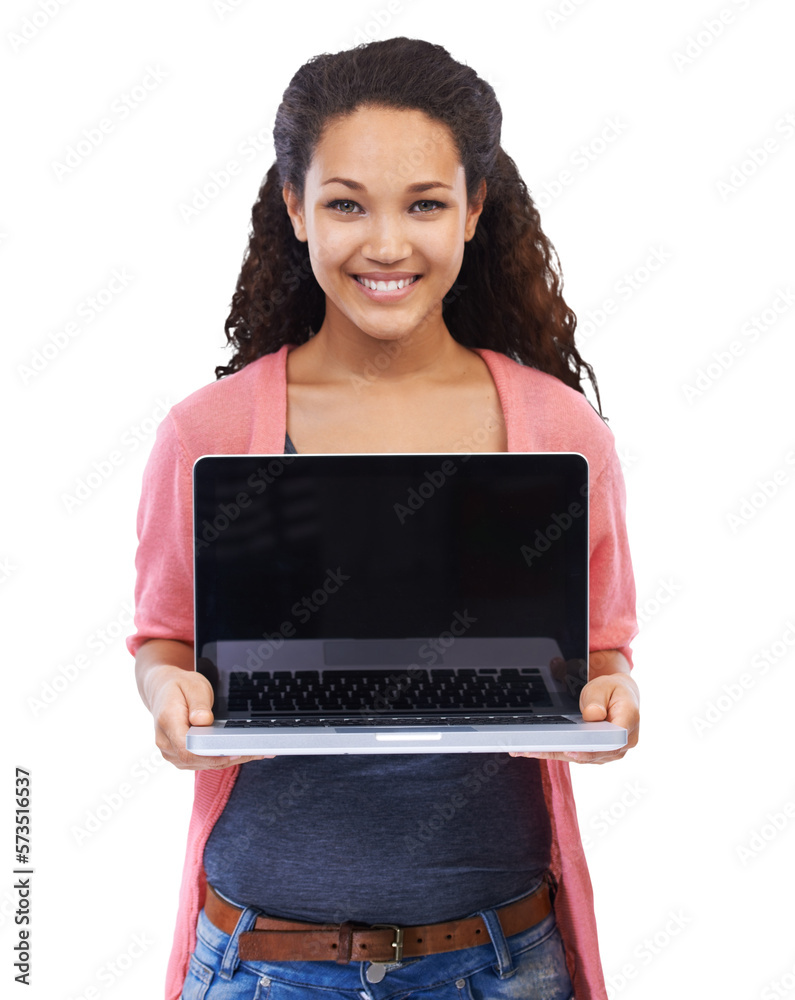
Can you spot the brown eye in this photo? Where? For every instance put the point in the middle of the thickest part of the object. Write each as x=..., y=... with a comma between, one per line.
x=427, y=206
x=343, y=206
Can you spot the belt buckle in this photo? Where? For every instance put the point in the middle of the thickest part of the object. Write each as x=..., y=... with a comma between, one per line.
x=397, y=944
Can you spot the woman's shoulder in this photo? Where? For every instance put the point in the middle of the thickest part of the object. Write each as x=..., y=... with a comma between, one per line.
x=222, y=415
x=549, y=414
x=234, y=392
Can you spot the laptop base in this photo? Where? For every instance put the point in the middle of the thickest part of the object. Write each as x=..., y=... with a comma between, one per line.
x=458, y=737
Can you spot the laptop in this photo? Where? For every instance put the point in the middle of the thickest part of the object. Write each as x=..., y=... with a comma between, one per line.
x=398, y=603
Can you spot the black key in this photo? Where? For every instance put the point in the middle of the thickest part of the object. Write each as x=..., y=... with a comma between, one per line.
x=472, y=719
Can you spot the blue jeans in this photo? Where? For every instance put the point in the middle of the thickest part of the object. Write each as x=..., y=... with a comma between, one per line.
x=530, y=965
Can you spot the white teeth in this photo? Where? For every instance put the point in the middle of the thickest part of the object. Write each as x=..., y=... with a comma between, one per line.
x=385, y=286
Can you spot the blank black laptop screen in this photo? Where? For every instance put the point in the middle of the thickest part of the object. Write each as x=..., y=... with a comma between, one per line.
x=355, y=547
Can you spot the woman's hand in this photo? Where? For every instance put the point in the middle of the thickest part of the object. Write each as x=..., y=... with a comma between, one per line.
x=178, y=697
x=611, y=695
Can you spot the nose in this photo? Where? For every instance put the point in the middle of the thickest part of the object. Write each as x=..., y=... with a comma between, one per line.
x=386, y=241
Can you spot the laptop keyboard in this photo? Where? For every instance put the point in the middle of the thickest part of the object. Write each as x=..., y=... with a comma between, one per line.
x=426, y=720
x=436, y=692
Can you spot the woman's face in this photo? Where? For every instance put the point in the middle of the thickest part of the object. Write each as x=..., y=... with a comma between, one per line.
x=385, y=201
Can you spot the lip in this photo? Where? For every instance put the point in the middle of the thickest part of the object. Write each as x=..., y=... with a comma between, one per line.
x=385, y=275
x=396, y=294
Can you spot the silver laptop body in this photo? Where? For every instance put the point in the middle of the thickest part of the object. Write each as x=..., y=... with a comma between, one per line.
x=400, y=603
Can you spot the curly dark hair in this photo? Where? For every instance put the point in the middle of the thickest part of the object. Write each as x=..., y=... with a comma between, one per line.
x=507, y=296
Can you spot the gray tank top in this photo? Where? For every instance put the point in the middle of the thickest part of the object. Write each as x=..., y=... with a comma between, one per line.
x=405, y=838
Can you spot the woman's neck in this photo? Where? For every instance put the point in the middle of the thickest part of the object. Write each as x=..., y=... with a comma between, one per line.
x=345, y=353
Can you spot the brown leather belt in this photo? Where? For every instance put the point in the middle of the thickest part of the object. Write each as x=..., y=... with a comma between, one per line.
x=276, y=940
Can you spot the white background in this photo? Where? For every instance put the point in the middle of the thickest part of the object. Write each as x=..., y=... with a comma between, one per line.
x=690, y=838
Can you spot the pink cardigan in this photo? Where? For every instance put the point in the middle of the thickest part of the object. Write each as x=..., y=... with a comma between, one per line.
x=246, y=413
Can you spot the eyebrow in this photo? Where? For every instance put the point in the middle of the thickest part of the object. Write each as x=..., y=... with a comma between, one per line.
x=413, y=188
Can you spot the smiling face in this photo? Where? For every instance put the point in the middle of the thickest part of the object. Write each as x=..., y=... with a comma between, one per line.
x=385, y=215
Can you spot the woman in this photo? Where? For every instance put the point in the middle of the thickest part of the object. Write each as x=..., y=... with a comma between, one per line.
x=398, y=295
